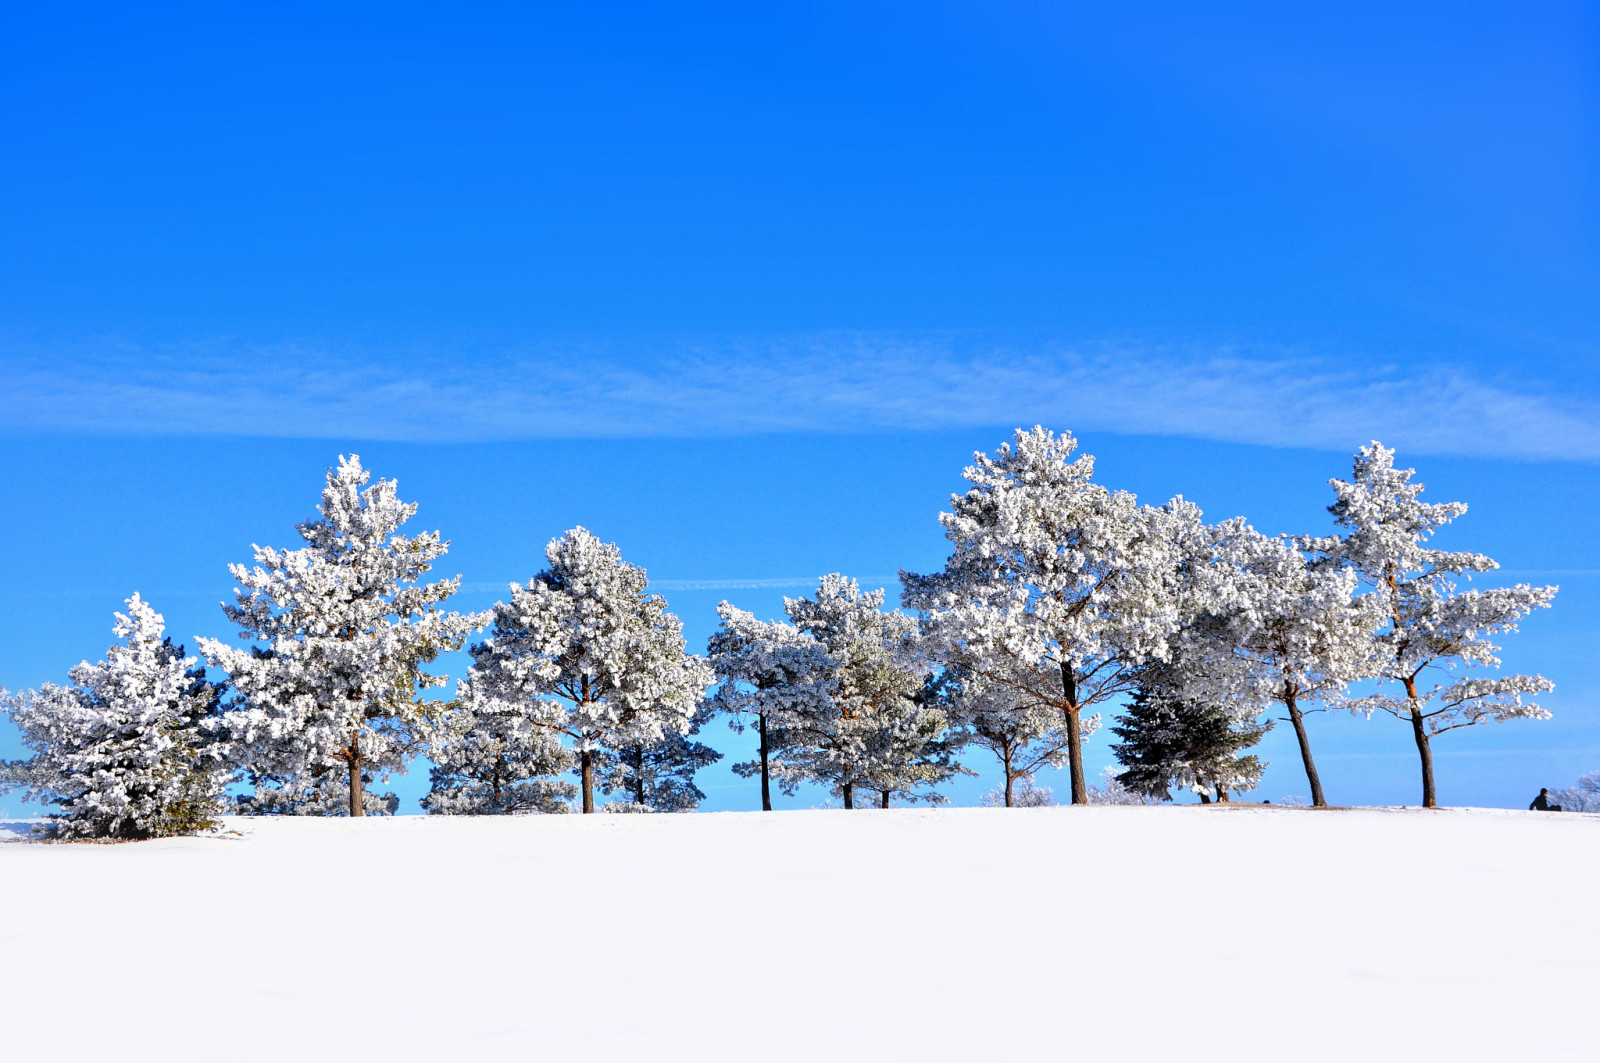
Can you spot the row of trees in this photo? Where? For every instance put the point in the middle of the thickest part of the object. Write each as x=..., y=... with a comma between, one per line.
x=1060, y=600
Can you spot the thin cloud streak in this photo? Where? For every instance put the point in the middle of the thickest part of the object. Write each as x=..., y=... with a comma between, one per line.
x=837, y=382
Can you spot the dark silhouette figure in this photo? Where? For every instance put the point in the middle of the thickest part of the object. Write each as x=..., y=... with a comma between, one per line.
x=1542, y=802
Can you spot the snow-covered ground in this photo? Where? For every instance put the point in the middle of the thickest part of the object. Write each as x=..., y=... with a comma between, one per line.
x=962, y=934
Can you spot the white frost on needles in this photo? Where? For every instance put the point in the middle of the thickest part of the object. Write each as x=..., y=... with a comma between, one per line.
x=874, y=730
x=1055, y=584
x=130, y=749
x=592, y=654
x=1273, y=628
x=342, y=630
x=771, y=677
x=1429, y=628
x=492, y=757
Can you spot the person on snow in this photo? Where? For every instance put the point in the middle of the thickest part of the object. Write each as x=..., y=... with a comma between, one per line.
x=1542, y=802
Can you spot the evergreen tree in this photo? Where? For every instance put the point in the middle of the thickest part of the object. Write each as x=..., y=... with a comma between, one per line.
x=1054, y=583
x=1024, y=793
x=1430, y=629
x=1152, y=746
x=1581, y=796
x=1169, y=741
x=771, y=676
x=874, y=731
x=342, y=632
x=132, y=749
x=324, y=792
x=1024, y=735
x=659, y=776
x=592, y=655
x=492, y=757
x=1274, y=629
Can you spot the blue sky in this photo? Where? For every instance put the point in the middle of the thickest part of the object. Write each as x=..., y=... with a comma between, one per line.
x=742, y=290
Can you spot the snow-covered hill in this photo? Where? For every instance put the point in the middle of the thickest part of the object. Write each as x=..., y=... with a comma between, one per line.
x=964, y=934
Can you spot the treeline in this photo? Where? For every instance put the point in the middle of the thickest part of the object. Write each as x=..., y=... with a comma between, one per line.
x=1061, y=600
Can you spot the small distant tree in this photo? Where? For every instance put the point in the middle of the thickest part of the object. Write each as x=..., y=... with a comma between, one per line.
x=594, y=655
x=1024, y=735
x=342, y=631
x=493, y=757
x=1581, y=796
x=1111, y=791
x=771, y=676
x=875, y=731
x=1024, y=794
x=132, y=749
x=659, y=777
x=1430, y=627
x=1055, y=584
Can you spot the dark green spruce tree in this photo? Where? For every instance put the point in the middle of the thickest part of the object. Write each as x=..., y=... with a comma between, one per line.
x=1169, y=741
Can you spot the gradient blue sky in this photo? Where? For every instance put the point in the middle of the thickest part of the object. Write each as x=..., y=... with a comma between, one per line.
x=742, y=290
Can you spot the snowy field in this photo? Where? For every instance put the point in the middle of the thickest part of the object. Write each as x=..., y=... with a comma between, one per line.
x=964, y=934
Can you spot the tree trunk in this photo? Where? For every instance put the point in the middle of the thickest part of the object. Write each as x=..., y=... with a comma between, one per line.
x=766, y=778
x=1298, y=719
x=638, y=776
x=846, y=790
x=885, y=803
x=1424, y=749
x=357, y=805
x=1080, y=785
x=586, y=770
x=1222, y=796
x=1010, y=779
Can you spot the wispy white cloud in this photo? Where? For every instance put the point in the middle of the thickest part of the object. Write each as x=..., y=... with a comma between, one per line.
x=831, y=382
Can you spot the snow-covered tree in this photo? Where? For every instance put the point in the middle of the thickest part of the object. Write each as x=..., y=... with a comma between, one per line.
x=324, y=793
x=493, y=757
x=771, y=676
x=587, y=641
x=1024, y=735
x=875, y=731
x=131, y=749
x=1024, y=794
x=1581, y=796
x=1168, y=741
x=1055, y=585
x=659, y=776
x=1112, y=792
x=342, y=630
x=1431, y=628
x=1271, y=628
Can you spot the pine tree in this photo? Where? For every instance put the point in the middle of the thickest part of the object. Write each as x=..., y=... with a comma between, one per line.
x=492, y=757
x=1430, y=628
x=343, y=631
x=1024, y=793
x=874, y=731
x=1024, y=735
x=132, y=749
x=324, y=792
x=771, y=676
x=592, y=655
x=658, y=776
x=1581, y=796
x=1054, y=583
x=1273, y=628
